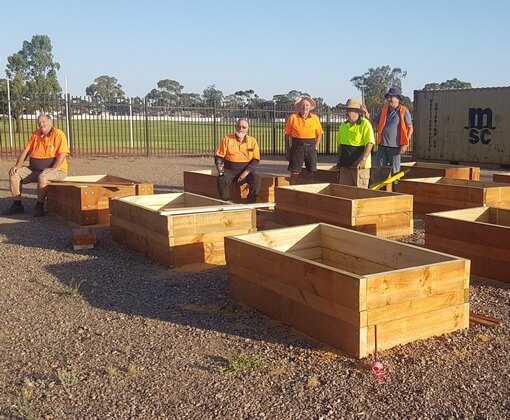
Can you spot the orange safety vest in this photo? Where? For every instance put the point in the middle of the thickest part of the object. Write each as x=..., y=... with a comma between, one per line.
x=404, y=138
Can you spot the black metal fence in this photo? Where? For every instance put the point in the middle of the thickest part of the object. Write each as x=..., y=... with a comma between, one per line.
x=140, y=127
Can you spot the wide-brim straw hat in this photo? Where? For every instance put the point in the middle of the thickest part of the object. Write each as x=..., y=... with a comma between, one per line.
x=352, y=105
x=305, y=98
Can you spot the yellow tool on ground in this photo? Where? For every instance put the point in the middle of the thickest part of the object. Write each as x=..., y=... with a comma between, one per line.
x=389, y=180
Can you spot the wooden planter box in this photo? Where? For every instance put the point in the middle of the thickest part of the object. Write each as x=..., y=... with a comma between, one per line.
x=204, y=183
x=503, y=178
x=426, y=170
x=178, y=229
x=336, y=285
x=481, y=234
x=441, y=194
x=84, y=200
x=380, y=213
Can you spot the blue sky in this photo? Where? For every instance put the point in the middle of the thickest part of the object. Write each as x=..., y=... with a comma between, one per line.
x=269, y=46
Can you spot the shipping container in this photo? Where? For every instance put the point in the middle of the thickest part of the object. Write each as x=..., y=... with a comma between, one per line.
x=462, y=125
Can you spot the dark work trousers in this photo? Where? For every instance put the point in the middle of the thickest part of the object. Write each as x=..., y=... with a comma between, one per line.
x=229, y=176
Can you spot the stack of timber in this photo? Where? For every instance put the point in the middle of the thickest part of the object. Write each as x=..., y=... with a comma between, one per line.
x=379, y=213
x=336, y=285
x=180, y=228
x=204, y=183
x=84, y=200
x=429, y=169
x=481, y=234
x=442, y=194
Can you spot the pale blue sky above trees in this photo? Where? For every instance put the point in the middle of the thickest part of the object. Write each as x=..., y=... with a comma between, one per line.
x=269, y=46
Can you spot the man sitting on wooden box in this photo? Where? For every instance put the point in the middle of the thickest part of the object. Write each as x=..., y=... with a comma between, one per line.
x=47, y=150
x=236, y=159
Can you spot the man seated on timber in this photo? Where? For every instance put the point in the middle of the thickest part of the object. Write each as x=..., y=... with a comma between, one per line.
x=236, y=159
x=47, y=149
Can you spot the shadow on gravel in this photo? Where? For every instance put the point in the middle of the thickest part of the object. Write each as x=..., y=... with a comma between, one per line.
x=117, y=280
x=114, y=278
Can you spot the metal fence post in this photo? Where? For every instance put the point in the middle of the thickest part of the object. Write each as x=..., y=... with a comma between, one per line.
x=274, y=128
x=215, y=128
x=147, y=132
x=328, y=132
x=68, y=121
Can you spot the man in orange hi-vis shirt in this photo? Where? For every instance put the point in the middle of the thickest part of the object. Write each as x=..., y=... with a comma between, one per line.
x=47, y=150
x=237, y=158
x=303, y=135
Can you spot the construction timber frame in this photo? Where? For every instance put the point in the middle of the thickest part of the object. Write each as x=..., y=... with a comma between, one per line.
x=380, y=213
x=337, y=285
x=84, y=200
x=437, y=194
x=481, y=234
x=204, y=183
x=178, y=229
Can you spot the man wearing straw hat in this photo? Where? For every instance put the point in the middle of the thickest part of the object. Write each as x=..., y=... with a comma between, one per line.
x=303, y=135
x=355, y=138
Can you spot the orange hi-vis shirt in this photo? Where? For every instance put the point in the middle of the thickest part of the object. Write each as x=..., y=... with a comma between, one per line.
x=308, y=128
x=236, y=151
x=50, y=146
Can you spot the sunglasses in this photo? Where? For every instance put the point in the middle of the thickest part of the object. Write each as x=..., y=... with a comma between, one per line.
x=244, y=127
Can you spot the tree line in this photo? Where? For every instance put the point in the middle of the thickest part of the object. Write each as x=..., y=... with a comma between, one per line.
x=32, y=75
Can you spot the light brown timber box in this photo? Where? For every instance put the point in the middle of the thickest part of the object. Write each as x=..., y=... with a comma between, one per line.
x=436, y=194
x=336, y=285
x=503, y=178
x=204, y=183
x=481, y=234
x=84, y=200
x=179, y=228
x=429, y=169
x=380, y=213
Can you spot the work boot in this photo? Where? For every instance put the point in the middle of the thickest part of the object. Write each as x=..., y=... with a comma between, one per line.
x=16, y=208
x=39, y=210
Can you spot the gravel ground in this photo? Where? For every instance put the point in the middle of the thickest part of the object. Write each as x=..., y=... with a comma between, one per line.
x=106, y=334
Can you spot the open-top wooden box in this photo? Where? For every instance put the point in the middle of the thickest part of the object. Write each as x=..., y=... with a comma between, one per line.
x=180, y=228
x=380, y=213
x=84, y=200
x=337, y=284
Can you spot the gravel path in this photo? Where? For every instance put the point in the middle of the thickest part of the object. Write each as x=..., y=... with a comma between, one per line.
x=106, y=334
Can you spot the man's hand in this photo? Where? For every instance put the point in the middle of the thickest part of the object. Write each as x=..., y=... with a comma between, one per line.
x=403, y=149
x=48, y=170
x=243, y=175
x=365, y=111
x=361, y=164
x=13, y=170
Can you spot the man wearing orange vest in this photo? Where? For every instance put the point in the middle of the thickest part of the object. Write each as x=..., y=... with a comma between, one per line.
x=236, y=159
x=394, y=130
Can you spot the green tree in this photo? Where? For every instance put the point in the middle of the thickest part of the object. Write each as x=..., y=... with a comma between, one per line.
x=211, y=96
x=105, y=89
x=374, y=84
x=449, y=84
x=168, y=93
x=32, y=74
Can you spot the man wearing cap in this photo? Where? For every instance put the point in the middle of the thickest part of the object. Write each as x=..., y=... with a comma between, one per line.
x=394, y=131
x=303, y=135
x=355, y=138
x=237, y=157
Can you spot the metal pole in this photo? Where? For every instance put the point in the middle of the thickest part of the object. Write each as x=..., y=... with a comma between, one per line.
x=68, y=123
x=131, y=142
x=9, y=111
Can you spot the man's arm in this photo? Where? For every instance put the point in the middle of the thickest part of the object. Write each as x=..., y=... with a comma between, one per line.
x=404, y=147
x=318, y=139
x=366, y=154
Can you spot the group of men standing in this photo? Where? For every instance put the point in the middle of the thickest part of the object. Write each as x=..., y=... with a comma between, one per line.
x=238, y=154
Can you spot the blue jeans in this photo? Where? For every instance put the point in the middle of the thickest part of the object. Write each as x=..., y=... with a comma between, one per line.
x=389, y=156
